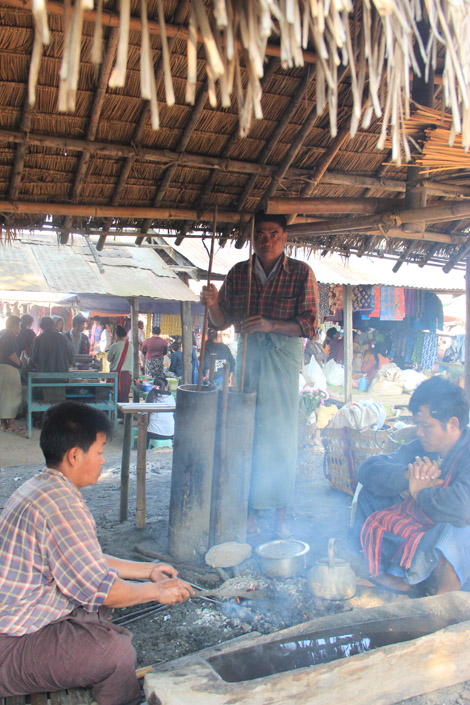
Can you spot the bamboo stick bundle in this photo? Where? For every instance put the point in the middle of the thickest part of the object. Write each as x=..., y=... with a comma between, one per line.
x=384, y=47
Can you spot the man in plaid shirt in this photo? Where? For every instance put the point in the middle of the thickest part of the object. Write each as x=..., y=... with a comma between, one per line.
x=55, y=582
x=283, y=309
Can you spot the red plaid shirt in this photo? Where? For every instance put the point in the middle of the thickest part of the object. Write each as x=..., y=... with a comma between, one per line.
x=290, y=295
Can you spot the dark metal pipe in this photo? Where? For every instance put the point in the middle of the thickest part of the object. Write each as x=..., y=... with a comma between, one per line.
x=191, y=480
x=232, y=467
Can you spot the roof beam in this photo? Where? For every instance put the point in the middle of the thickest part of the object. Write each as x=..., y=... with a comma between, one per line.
x=452, y=210
x=131, y=212
x=306, y=206
x=183, y=143
x=160, y=156
x=145, y=112
x=322, y=166
x=95, y=113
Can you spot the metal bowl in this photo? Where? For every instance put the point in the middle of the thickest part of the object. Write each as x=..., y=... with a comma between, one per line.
x=283, y=558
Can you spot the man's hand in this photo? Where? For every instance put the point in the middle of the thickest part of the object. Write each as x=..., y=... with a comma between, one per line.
x=256, y=324
x=170, y=592
x=423, y=473
x=162, y=571
x=209, y=295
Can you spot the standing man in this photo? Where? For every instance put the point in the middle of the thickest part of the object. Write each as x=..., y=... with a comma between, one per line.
x=283, y=309
x=78, y=339
x=154, y=349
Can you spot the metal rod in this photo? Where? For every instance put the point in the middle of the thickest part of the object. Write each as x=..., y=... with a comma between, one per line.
x=245, y=335
x=206, y=312
x=138, y=614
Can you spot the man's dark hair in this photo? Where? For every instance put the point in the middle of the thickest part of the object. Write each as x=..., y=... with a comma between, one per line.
x=156, y=330
x=263, y=217
x=175, y=347
x=443, y=398
x=78, y=320
x=46, y=323
x=120, y=332
x=211, y=335
x=331, y=332
x=26, y=320
x=12, y=322
x=70, y=424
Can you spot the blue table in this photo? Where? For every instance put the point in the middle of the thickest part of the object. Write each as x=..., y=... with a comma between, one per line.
x=80, y=385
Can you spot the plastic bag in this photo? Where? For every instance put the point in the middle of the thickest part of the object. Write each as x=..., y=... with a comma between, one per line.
x=411, y=380
x=358, y=415
x=313, y=375
x=388, y=380
x=334, y=373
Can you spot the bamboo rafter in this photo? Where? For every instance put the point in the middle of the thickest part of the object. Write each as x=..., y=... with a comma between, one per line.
x=235, y=33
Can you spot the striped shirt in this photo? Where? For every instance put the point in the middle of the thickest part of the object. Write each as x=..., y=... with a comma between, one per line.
x=50, y=558
x=290, y=295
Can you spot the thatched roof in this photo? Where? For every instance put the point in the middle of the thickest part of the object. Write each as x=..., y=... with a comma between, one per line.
x=101, y=168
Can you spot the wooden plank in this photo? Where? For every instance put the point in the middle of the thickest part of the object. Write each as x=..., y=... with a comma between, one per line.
x=467, y=331
x=39, y=699
x=15, y=700
x=383, y=676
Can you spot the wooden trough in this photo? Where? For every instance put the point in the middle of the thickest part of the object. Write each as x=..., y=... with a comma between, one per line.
x=379, y=656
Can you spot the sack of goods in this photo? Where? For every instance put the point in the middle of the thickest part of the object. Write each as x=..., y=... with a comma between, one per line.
x=388, y=380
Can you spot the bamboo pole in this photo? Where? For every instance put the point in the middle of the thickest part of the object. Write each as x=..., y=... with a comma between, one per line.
x=132, y=212
x=206, y=311
x=467, y=329
x=348, y=341
x=159, y=156
x=332, y=205
x=245, y=335
x=187, y=339
x=453, y=210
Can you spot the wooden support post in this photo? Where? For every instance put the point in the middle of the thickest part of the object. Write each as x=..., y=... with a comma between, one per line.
x=187, y=336
x=348, y=341
x=467, y=329
x=125, y=462
x=134, y=304
x=142, y=420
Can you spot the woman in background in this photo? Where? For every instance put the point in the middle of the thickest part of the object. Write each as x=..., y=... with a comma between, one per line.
x=10, y=382
x=121, y=360
x=161, y=426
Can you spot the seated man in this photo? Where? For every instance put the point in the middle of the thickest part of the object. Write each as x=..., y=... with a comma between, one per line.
x=55, y=582
x=414, y=507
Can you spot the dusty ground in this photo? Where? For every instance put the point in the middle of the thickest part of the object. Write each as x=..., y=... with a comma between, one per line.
x=319, y=513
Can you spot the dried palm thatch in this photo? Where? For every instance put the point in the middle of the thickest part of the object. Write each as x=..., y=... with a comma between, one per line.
x=383, y=47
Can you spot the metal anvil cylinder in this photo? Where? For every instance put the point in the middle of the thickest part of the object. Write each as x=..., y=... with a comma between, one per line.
x=191, y=478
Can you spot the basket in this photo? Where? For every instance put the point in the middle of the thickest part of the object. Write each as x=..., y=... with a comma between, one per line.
x=346, y=449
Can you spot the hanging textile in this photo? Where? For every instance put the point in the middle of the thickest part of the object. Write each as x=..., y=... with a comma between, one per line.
x=361, y=298
x=387, y=303
x=375, y=313
x=323, y=300
x=410, y=302
x=335, y=299
x=429, y=351
x=399, y=303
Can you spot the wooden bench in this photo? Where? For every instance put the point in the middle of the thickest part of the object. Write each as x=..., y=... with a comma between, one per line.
x=77, y=696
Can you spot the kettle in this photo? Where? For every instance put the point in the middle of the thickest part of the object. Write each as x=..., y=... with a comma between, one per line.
x=332, y=578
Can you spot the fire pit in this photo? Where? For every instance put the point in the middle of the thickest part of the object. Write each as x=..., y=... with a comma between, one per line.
x=380, y=655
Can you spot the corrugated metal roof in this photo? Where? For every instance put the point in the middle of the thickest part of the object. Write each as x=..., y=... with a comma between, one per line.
x=37, y=264
x=334, y=269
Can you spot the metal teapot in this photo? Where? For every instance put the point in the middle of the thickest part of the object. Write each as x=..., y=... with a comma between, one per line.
x=332, y=578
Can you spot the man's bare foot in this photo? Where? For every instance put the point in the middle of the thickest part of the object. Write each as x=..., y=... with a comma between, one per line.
x=391, y=582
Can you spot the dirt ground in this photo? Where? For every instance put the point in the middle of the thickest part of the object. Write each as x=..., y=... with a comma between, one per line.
x=318, y=514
